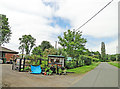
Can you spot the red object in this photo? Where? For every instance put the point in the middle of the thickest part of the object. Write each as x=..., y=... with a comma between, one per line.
x=45, y=73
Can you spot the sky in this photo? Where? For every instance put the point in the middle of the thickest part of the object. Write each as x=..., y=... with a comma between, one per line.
x=47, y=19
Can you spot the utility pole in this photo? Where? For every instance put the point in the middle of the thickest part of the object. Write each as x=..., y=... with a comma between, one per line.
x=55, y=44
x=116, y=53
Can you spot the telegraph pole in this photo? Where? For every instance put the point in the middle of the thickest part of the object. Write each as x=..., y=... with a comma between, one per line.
x=55, y=44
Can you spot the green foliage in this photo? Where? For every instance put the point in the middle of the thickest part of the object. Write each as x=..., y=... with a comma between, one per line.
x=50, y=51
x=27, y=68
x=48, y=70
x=95, y=60
x=33, y=59
x=45, y=45
x=27, y=42
x=71, y=64
x=73, y=43
x=60, y=71
x=115, y=64
x=60, y=51
x=44, y=64
x=87, y=59
x=118, y=57
x=113, y=57
x=37, y=51
x=5, y=32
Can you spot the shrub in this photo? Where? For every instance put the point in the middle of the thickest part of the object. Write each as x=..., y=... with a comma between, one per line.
x=44, y=63
x=71, y=64
x=95, y=60
x=27, y=68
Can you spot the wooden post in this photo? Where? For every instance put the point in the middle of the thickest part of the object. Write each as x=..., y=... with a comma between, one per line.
x=20, y=65
x=40, y=61
x=64, y=63
x=24, y=64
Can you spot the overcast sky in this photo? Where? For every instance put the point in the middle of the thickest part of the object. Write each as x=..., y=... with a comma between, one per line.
x=47, y=19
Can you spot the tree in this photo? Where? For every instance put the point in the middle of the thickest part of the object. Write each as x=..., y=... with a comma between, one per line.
x=5, y=32
x=45, y=45
x=103, y=54
x=22, y=48
x=27, y=42
x=60, y=51
x=50, y=51
x=73, y=43
x=37, y=51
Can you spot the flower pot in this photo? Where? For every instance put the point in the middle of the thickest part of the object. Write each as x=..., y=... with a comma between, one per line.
x=44, y=73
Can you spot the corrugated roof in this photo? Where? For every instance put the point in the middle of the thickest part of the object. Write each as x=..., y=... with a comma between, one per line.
x=6, y=50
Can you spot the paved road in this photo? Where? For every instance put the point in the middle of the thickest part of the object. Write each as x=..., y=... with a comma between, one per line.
x=0, y=76
x=104, y=75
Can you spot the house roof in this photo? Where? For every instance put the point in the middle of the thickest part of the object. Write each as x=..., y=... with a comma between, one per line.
x=58, y=56
x=6, y=50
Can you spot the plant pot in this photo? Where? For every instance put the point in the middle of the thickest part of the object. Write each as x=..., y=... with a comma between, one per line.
x=45, y=73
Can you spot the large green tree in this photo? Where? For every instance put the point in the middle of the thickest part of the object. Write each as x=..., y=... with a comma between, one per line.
x=103, y=53
x=5, y=32
x=27, y=42
x=60, y=51
x=45, y=45
x=37, y=51
x=50, y=51
x=73, y=43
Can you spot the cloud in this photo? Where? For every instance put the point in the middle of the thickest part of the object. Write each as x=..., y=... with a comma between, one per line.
x=30, y=17
x=47, y=19
x=111, y=48
x=79, y=11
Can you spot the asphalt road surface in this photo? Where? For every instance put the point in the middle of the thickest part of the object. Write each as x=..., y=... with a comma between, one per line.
x=104, y=75
x=0, y=76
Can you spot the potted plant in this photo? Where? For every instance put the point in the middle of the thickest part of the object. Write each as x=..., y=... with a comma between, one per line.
x=60, y=71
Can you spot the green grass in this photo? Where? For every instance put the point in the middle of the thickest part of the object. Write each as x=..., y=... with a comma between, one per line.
x=83, y=69
x=114, y=64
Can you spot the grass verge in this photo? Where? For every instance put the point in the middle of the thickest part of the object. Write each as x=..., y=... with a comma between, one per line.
x=83, y=69
x=114, y=64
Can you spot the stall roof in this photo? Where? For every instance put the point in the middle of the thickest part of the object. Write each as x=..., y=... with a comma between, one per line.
x=58, y=56
x=6, y=50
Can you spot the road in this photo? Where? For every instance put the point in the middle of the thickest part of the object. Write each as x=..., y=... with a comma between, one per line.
x=104, y=75
x=0, y=76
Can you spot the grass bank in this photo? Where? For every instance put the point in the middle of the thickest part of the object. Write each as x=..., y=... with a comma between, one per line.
x=83, y=69
x=114, y=64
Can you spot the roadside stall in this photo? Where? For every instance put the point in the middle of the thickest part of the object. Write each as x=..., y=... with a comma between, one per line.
x=56, y=60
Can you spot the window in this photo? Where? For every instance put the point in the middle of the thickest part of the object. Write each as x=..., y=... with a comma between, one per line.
x=52, y=60
x=57, y=60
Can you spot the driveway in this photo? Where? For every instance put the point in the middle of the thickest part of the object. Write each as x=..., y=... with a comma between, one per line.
x=12, y=78
x=104, y=75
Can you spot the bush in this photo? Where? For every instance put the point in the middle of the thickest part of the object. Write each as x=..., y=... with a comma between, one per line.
x=71, y=64
x=44, y=63
x=95, y=60
x=87, y=59
x=27, y=68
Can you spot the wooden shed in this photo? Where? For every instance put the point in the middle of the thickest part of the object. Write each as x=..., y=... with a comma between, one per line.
x=56, y=60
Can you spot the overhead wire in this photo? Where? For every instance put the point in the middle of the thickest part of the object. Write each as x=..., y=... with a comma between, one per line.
x=94, y=15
